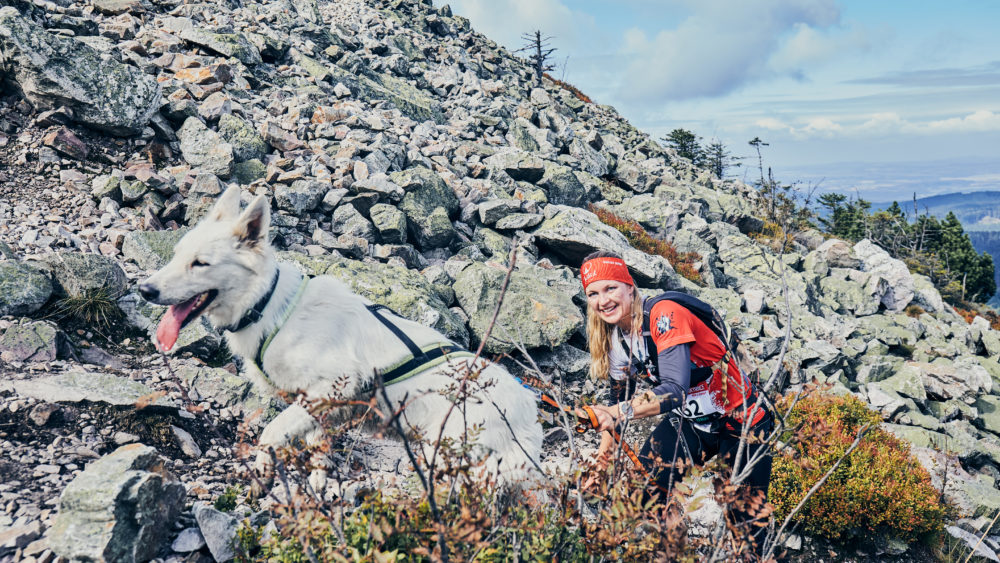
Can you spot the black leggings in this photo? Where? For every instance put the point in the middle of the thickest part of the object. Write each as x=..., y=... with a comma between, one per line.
x=690, y=445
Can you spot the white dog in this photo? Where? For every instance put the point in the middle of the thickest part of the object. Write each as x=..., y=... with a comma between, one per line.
x=316, y=336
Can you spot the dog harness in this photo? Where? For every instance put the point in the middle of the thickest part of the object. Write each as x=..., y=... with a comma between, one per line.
x=420, y=359
x=258, y=358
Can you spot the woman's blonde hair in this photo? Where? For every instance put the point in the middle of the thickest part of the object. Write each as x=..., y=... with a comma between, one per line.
x=599, y=333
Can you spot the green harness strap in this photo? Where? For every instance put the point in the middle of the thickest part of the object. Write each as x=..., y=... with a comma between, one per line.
x=437, y=354
x=259, y=357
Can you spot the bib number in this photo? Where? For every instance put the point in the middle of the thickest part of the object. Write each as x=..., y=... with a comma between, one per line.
x=699, y=403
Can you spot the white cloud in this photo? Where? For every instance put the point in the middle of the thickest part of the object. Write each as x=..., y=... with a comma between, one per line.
x=822, y=127
x=982, y=120
x=720, y=46
x=809, y=46
x=505, y=21
x=772, y=124
x=882, y=124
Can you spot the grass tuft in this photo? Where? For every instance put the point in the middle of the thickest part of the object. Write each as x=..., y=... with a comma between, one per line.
x=93, y=307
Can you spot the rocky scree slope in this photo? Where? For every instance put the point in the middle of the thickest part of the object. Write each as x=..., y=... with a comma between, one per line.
x=407, y=155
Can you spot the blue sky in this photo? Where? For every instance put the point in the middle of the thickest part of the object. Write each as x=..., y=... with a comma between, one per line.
x=869, y=97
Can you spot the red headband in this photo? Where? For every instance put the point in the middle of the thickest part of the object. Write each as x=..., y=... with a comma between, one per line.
x=604, y=268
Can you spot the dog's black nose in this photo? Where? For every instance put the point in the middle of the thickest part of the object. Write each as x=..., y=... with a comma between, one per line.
x=148, y=292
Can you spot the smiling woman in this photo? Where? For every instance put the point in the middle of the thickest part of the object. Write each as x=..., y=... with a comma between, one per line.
x=676, y=346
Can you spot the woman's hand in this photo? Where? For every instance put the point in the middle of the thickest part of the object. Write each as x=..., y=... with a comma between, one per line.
x=606, y=416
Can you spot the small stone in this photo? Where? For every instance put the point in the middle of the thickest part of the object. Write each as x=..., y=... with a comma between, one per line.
x=279, y=138
x=341, y=91
x=20, y=536
x=65, y=142
x=122, y=438
x=186, y=442
x=42, y=412
x=190, y=539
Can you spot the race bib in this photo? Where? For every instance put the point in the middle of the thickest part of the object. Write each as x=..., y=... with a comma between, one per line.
x=699, y=403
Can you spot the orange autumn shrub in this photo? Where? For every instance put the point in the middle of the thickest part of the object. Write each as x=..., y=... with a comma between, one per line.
x=572, y=89
x=970, y=315
x=682, y=262
x=878, y=488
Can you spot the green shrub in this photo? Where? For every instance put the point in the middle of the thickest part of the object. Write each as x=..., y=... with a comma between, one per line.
x=402, y=529
x=226, y=502
x=878, y=488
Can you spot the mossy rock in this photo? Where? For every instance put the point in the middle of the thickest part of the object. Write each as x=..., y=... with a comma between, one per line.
x=23, y=288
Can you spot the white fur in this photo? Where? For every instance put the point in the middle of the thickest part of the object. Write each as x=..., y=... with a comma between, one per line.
x=331, y=344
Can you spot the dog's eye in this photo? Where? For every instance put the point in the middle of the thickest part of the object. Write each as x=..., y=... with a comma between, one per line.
x=198, y=264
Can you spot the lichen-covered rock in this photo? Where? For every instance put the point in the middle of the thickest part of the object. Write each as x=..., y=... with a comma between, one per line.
x=897, y=291
x=492, y=243
x=246, y=141
x=228, y=44
x=377, y=86
x=53, y=71
x=846, y=296
x=23, y=288
x=301, y=196
x=77, y=274
x=517, y=221
x=120, y=508
x=562, y=186
x=654, y=214
x=404, y=291
x=95, y=387
x=519, y=165
x=348, y=220
x=428, y=204
x=754, y=266
x=908, y=381
x=390, y=222
x=493, y=210
x=240, y=396
x=205, y=149
x=962, y=379
x=591, y=161
x=572, y=233
x=30, y=341
x=838, y=254
x=151, y=250
x=219, y=530
x=537, y=310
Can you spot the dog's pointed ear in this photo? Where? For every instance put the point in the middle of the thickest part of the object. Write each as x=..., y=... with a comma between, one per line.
x=251, y=228
x=227, y=207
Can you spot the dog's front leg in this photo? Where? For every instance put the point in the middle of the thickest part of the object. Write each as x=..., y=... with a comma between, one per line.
x=294, y=426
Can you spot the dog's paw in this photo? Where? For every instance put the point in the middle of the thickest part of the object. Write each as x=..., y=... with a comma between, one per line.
x=318, y=481
x=261, y=475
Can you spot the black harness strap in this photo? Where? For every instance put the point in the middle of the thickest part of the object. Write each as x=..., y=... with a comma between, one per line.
x=414, y=349
x=429, y=356
x=419, y=356
x=257, y=311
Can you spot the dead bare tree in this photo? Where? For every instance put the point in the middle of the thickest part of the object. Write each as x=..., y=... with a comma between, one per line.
x=540, y=53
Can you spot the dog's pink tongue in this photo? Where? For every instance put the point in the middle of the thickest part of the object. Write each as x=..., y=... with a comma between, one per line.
x=170, y=324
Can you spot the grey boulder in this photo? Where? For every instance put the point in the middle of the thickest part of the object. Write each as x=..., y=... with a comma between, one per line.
x=537, y=310
x=120, y=509
x=53, y=71
x=23, y=288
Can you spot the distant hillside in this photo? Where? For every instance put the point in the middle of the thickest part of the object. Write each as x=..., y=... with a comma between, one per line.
x=978, y=211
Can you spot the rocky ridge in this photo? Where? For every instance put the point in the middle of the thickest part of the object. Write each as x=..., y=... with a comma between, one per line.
x=408, y=155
